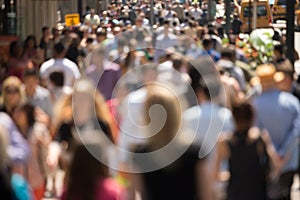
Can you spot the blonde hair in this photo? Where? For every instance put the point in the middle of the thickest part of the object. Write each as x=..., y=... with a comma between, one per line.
x=167, y=100
x=11, y=81
x=63, y=109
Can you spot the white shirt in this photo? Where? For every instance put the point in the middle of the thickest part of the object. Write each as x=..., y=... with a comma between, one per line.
x=69, y=69
x=196, y=13
x=132, y=131
x=95, y=20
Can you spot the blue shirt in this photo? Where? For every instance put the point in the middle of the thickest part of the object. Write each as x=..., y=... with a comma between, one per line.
x=279, y=113
x=207, y=122
x=215, y=55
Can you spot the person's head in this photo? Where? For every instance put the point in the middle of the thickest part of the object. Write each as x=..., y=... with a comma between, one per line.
x=205, y=79
x=286, y=67
x=24, y=117
x=177, y=61
x=31, y=81
x=139, y=21
x=59, y=50
x=16, y=49
x=166, y=25
x=85, y=172
x=267, y=77
x=92, y=12
x=228, y=53
x=101, y=35
x=55, y=32
x=30, y=42
x=243, y=114
x=207, y=42
x=57, y=79
x=11, y=92
x=98, y=56
x=104, y=14
x=162, y=115
x=45, y=31
x=117, y=30
x=149, y=73
x=278, y=52
x=88, y=103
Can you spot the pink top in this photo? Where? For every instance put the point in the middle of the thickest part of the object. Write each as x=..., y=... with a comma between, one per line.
x=107, y=189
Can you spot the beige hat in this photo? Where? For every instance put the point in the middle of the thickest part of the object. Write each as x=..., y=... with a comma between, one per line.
x=266, y=75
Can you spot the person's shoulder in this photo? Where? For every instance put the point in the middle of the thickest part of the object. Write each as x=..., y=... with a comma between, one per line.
x=224, y=111
x=69, y=63
x=47, y=64
x=192, y=113
x=288, y=97
x=42, y=92
x=111, y=66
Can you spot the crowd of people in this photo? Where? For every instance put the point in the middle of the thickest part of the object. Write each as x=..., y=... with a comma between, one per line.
x=69, y=100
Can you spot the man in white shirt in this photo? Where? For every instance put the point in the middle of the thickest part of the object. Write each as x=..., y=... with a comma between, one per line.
x=59, y=64
x=92, y=19
x=164, y=41
x=196, y=12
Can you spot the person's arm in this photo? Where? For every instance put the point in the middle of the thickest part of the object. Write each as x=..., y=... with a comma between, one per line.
x=276, y=161
x=136, y=188
x=293, y=134
x=222, y=153
x=204, y=182
x=54, y=151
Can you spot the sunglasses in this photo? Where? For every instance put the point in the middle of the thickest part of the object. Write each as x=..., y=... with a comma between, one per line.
x=12, y=90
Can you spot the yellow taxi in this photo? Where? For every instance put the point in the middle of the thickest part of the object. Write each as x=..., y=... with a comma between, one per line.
x=279, y=9
x=264, y=18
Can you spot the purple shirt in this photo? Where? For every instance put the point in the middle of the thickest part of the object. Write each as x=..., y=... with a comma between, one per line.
x=105, y=79
x=18, y=149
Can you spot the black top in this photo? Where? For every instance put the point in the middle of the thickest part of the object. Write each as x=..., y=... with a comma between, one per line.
x=65, y=131
x=6, y=191
x=248, y=167
x=176, y=181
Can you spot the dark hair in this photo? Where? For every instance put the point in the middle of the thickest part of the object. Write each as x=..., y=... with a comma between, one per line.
x=29, y=112
x=59, y=48
x=204, y=76
x=101, y=33
x=57, y=78
x=279, y=48
x=206, y=40
x=45, y=28
x=228, y=52
x=54, y=29
x=89, y=40
x=13, y=47
x=85, y=171
x=243, y=113
x=30, y=37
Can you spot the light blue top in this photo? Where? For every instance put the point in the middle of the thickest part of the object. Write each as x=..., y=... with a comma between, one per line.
x=208, y=121
x=279, y=113
x=21, y=188
x=18, y=149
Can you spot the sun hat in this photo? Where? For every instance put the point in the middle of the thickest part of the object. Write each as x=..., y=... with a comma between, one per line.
x=266, y=75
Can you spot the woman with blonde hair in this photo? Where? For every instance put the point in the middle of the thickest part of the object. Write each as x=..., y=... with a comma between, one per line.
x=163, y=113
x=11, y=94
x=84, y=110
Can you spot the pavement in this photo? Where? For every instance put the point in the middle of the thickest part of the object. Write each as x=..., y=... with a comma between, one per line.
x=295, y=193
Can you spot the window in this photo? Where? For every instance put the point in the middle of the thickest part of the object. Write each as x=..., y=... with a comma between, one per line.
x=8, y=17
x=261, y=11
